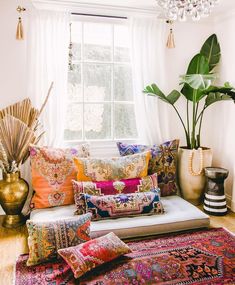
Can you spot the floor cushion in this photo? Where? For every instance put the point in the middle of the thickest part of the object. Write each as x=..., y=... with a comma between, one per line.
x=179, y=215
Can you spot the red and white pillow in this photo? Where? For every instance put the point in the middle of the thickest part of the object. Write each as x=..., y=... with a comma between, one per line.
x=86, y=256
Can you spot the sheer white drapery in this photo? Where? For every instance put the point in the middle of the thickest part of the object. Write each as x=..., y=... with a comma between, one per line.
x=48, y=41
x=148, y=54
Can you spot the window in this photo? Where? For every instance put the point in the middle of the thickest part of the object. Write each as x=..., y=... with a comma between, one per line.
x=100, y=96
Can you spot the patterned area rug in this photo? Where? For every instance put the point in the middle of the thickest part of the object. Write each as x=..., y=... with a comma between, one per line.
x=203, y=257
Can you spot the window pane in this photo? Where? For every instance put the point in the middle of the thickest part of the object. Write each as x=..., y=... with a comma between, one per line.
x=97, y=82
x=76, y=37
x=97, y=121
x=121, y=43
x=122, y=83
x=97, y=41
x=73, y=128
x=124, y=121
x=74, y=84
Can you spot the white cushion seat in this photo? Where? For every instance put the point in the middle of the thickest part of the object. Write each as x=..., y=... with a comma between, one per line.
x=179, y=215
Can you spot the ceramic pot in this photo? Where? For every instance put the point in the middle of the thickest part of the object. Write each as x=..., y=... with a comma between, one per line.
x=13, y=194
x=191, y=177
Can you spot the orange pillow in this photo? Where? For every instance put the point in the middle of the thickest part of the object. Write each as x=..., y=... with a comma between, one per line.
x=98, y=169
x=52, y=172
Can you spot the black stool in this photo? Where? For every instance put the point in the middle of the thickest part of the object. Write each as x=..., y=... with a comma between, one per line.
x=215, y=200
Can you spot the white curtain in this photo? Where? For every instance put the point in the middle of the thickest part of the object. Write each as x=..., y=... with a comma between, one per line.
x=48, y=41
x=47, y=54
x=148, y=54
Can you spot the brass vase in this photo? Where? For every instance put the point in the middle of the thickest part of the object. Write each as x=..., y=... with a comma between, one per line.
x=13, y=194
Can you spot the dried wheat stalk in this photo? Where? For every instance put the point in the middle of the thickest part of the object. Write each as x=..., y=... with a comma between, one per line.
x=4, y=164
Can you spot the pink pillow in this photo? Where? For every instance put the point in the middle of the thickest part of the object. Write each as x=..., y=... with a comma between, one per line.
x=86, y=256
x=113, y=187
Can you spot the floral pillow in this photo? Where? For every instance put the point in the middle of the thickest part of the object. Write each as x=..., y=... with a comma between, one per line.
x=163, y=162
x=105, y=169
x=120, y=205
x=113, y=187
x=85, y=257
x=45, y=238
x=52, y=172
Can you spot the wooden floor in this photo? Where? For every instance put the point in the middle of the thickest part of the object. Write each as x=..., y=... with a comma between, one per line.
x=13, y=242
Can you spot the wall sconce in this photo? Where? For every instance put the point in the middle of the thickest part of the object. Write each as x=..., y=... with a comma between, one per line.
x=170, y=40
x=19, y=29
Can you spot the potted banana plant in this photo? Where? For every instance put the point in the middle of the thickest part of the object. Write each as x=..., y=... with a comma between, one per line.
x=200, y=92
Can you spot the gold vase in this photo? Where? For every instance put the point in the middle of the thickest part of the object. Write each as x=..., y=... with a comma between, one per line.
x=13, y=194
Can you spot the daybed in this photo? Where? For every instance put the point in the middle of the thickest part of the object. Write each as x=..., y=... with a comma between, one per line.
x=179, y=215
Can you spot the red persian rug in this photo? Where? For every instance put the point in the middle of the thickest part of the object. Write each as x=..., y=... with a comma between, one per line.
x=204, y=257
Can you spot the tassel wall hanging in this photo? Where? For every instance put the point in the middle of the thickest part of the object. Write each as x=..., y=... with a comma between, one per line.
x=170, y=40
x=19, y=29
x=70, y=48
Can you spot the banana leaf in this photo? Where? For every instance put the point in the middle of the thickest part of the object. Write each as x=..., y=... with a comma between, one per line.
x=216, y=97
x=198, y=65
x=153, y=90
x=211, y=50
x=198, y=81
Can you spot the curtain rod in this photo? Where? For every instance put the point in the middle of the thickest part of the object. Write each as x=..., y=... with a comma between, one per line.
x=102, y=16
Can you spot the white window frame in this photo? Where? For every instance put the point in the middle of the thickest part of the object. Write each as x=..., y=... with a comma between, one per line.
x=101, y=143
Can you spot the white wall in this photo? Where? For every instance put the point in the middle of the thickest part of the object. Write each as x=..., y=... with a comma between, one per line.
x=221, y=117
x=12, y=53
x=189, y=38
x=218, y=130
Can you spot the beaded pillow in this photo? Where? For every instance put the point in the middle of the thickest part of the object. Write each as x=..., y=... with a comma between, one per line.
x=120, y=205
x=113, y=187
x=98, y=169
x=45, y=238
x=163, y=162
x=86, y=256
x=52, y=172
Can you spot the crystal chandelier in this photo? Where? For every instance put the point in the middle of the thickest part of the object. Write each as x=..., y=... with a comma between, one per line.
x=181, y=9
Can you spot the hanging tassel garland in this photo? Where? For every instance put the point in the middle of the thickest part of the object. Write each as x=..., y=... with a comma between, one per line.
x=170, y=40
x=19, y=30
x=70, y=48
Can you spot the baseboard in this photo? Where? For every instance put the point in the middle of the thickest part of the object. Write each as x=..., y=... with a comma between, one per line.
x=230, y=203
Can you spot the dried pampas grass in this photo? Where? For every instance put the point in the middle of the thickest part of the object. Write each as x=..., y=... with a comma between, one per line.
x=19, y=127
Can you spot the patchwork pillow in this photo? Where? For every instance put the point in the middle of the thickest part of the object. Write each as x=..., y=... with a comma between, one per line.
x=52, y=172
x=163, y=162
x=113, y=187
x=121, y=205
x=86, y=256
x=45, y=238
x=105, y=169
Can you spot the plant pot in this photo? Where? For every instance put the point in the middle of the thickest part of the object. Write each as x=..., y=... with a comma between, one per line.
x=191, y=177
x=13, y=194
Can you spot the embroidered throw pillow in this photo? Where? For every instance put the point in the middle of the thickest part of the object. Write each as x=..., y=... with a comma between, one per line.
x=52, y=172
x=113, y=187
x=98, y=169
x=45, y=238
x=163, y=162
x=121, y=205
x=84, y=257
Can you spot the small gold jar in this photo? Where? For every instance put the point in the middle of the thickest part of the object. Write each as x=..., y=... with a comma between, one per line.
x=13, y=194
